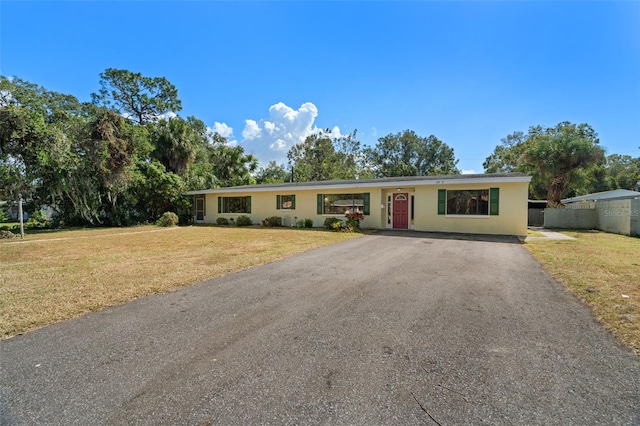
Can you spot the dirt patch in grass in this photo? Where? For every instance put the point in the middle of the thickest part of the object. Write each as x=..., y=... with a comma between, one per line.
x=51, y=277
x=603, y=270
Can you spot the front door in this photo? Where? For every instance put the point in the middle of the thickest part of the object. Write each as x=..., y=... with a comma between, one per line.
x=400, y=211
x=199, y=208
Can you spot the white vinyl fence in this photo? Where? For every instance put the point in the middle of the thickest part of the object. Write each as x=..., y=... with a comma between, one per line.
x=616, y=216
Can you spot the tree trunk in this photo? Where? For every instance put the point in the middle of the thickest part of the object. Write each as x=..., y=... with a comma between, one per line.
x=555, y=191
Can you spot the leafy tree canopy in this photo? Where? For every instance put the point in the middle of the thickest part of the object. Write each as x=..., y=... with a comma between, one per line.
x=273, y=173
x=321, y=157
x=407, y=154
x=560, y=159
x=142, y=98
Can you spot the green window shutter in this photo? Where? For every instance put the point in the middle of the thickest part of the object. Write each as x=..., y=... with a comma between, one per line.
x=219, y=204
x=277, y=202
x=320, y=203
x=293, y=202
x=249, y=204
x=366, y=204
x=442, y=201
x=494, y=201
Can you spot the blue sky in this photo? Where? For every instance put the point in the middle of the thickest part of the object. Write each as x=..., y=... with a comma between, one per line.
x=266, y=74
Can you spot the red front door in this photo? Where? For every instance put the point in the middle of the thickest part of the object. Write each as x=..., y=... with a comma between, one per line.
x=400, y=211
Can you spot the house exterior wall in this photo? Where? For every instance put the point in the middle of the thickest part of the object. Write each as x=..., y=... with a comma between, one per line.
x=263, y=205
x=511, y=220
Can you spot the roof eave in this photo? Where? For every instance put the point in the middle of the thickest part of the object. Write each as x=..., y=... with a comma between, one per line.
x=300, y=186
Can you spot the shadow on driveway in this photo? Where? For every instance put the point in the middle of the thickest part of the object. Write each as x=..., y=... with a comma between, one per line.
x=449, y=236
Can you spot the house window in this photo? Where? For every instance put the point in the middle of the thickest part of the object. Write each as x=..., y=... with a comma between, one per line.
x=343, y=203
x=234, y=204
x=285, y=202
x=468, y=202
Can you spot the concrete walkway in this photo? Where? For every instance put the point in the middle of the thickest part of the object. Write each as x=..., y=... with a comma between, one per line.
x=548, y=235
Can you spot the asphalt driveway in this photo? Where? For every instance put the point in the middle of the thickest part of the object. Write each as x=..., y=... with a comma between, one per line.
x=385, y=329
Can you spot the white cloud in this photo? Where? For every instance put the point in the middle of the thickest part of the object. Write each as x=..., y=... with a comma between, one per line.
x=166, y=116
x=251, y=130
x=468, y=172
x=283, y=128
x=222, y=129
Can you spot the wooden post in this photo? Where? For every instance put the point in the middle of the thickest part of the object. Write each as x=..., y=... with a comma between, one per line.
x=20, y=216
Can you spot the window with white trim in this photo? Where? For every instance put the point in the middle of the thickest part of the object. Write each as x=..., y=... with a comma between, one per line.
x=285, y=202
x=343, y=203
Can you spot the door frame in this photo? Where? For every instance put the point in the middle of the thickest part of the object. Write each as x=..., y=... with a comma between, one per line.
x=199, y=198
x=393, y=204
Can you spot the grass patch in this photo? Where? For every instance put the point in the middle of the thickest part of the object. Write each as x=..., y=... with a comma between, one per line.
x=531, y=233
x=603, y=270
x=50, y=277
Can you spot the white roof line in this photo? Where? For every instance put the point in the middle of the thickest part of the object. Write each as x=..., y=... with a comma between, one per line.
x=383, y=184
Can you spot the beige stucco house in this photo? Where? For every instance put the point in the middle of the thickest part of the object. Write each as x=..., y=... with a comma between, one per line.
x=479, y=204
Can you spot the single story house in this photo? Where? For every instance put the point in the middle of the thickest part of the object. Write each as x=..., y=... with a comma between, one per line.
x=480, y=203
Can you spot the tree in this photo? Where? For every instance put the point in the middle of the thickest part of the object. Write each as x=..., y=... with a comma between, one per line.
x=273, y=173
x=154, y=191
x=407, y=154
x=231, y=166
x=141, y=98
x=554, y=159
x=52, y=106
x=622, y=171
x=321, y=157
x=560, y=159
x=24, y=139
x=175, y=142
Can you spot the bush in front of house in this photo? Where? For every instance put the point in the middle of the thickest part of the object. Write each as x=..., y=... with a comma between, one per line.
x=168, y=219
x=272, y=221
x=308, y=223
x=333, y=223
x=244, y=221
x=37, y=220
x=353, y=221
x=222, y=221
x=5, y=235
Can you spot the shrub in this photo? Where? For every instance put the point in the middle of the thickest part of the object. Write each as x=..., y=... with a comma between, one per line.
x=4, y=235
x=353, y=221
x=308, y=223
x=4, y=216
x=37, y=220
x=168, y=219
x=272, y=221
x=244, y=221
x=222, y=221
x=300, y=223
x=333, y=223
